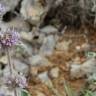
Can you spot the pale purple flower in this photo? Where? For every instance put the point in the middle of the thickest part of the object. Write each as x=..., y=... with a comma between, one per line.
x=21, y=81
x=16, y=81
x=9, y=38
x=9, y=80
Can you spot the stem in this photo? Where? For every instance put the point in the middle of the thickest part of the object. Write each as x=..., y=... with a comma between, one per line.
x=15, y=92
x=9, y=61
x=10, y=67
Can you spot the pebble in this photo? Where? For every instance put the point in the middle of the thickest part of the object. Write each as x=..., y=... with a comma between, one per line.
x=26, y=36
x=80, y=70
x=49, y=29
x=48, y=45
x=31, y=10
x=39, y=60
x=54, y=72
x=44, y=77
x=4, y=60
x=18, y=65
x=17, y=23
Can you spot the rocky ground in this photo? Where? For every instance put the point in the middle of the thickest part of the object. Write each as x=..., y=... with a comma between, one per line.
x=48, y=57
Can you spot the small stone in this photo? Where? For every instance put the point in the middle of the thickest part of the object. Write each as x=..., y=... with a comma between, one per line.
x=17, y=23
x=39, y=60
x=18, y=66
x=75, y=71
x=64, y=45
x=89, y=66
x=4, y=60
x=78, y=48
x=49, y=29
x=44, y=77
x=54, y=73
x=26, y=36
x=48, y=45
x=31, y=10
x=80, y=70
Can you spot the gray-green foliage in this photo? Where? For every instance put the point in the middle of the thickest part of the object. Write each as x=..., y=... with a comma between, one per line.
x=88, y=93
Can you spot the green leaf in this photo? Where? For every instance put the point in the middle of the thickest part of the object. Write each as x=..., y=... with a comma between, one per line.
x=88, y=93
x=24, y=93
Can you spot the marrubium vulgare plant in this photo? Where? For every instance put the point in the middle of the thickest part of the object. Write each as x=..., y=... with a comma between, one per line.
x=9, y=39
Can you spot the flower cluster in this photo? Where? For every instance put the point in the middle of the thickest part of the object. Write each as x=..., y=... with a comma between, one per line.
x=9, y=38
x=21, y=81
x=18, y=80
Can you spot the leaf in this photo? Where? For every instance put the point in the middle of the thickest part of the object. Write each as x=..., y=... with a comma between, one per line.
x=19, y=48
x=68, y=89
x=88, y=93
x=90, y=54
x=24, y=93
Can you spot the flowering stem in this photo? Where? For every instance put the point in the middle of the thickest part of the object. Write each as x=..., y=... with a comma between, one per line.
x=15, y=92
x=10, y=67
x=9, y=61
